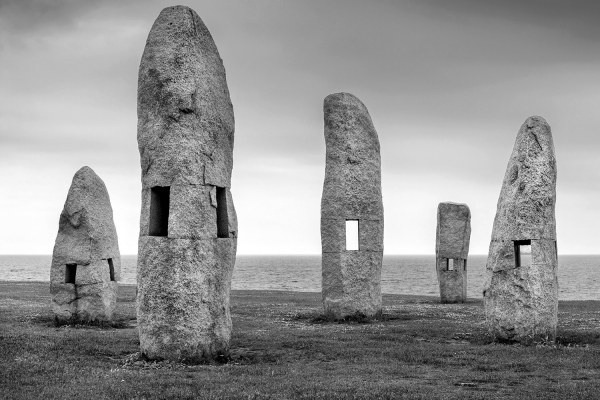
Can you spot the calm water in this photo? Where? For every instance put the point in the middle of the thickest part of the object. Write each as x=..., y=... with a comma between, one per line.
x=578, y=276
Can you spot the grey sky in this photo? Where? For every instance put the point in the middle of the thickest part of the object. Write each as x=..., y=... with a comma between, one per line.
x=447, y=83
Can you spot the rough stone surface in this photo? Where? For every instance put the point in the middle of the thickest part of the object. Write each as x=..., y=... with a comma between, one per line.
x=521, y=302
x=87, y=238
x=185, y=138
x=352, y=191
x=452, y=243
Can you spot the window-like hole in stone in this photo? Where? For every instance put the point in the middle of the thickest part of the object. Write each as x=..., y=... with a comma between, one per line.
x=159, y=211
x=352, y=234
x=222, y=217
x=111, y=269
x=70, y=272
x=465, y=265
x=522, y=253
x=450, y=264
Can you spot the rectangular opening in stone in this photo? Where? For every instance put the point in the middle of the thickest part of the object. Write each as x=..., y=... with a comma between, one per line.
x=352, y=234
x=465, y=265
x=222, y=218
x=522, y=253
x=450, y=264
x=111, y=269
x=70, y=272
x=159, y=211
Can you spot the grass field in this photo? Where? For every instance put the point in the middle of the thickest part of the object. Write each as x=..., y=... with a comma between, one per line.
x=281, y=349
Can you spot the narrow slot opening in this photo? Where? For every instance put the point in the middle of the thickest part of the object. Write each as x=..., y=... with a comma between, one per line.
x=159, y=211
x=352, y=234
x=450, y=264
x=522, y=253
x=111, y=269
x=465, y=265
x=222, y=218
x=70, y=272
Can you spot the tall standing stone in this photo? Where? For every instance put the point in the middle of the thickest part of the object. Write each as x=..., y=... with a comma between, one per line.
x=86, y=263
x=521, y=288
x=452, y=249
x=351, y=192
x=188, y=225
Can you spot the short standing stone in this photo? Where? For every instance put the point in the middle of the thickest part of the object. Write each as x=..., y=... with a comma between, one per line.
x=452, y=249
x=351, y=195
x=188, y=225
x=521, y=288
x=86, y=263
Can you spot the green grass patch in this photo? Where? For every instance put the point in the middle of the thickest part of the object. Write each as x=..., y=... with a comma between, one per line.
x=283, y=347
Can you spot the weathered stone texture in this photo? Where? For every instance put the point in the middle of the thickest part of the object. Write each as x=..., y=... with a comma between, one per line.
x=185, y=116
x=521, y=301
x=453, y=235
x=87, y=237
x=185, y=138
x=352, y=191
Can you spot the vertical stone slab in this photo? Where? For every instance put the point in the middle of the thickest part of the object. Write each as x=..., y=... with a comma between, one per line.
x=452, y=249
x=86, y=263
x=352, y=191
x=188, y=226
x=521, y=288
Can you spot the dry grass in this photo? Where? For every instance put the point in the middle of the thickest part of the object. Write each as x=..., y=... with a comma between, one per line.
x=283, y=348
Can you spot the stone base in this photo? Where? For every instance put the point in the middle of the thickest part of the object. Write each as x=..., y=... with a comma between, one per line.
x=521, y=304
x=453, y=284
x=352, y=283
x=93, y=296
x=74, y=303
x=183, y=297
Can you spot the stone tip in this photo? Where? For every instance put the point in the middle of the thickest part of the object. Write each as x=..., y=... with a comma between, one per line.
x=343, y=100
x=177, y=19
x=452, y=203
x=86, y=171
x=175, y=8
x=535, y=120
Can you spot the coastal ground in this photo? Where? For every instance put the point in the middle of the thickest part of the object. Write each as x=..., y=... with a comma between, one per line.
x=282, y=349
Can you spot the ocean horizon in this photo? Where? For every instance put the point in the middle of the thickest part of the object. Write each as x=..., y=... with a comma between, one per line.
x=578, y=275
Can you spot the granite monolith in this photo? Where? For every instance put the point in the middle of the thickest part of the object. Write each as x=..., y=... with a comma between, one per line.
x=521, y=288
x=188, y=224
x=86, y=263
x=452, y=250
x=351, y=192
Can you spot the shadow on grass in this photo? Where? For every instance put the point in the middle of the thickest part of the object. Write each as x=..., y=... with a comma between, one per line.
x=76, y=323
x=315, y=317
x=237, y=356
x=577, y=338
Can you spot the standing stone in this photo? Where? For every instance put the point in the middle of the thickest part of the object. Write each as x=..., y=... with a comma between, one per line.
x=188, y=225
x=452, y=249
x=521, y=288
x=86, y=263
x=351, y=192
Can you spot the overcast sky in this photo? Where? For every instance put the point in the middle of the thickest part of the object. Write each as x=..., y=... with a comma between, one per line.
x=447, y=84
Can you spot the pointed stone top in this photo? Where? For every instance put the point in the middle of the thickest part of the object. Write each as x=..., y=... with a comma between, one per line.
x=86, y=229
x=528, y=196
x=343, y=99
x=352, y=187
x=185, y=115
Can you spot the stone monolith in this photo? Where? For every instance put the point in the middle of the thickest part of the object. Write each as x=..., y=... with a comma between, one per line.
x=351, y=192
x=452, y=249
x=521, y=289
x=86, y=263
x=188, y=224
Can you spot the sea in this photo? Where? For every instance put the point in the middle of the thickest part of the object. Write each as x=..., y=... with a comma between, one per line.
x=578, y=275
